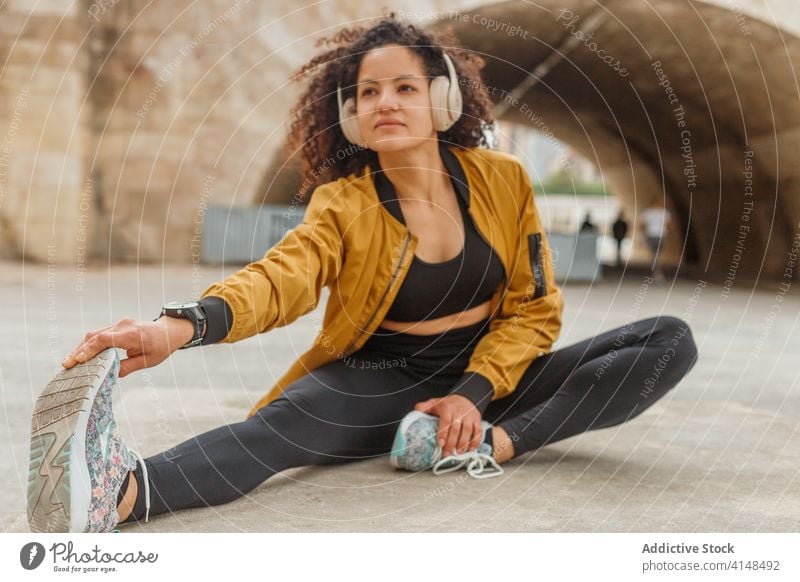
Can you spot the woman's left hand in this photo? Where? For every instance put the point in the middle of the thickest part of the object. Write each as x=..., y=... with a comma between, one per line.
x=459, y=423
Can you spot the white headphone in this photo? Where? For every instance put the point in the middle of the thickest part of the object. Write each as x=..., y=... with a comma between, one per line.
x=446, y=104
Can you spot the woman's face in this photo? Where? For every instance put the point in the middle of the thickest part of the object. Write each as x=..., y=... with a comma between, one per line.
x=392, y=87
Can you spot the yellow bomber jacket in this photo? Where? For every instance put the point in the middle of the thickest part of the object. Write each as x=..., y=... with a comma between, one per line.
x=349, y=242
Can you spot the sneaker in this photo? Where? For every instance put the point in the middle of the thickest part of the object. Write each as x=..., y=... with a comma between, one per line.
x=415, y=449
x=78, y=460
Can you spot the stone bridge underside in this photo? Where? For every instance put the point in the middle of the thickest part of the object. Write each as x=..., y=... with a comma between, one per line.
x=694, y=102
x=120, y=125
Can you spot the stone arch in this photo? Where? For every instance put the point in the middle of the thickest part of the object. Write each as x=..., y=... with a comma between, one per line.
x=680, y=102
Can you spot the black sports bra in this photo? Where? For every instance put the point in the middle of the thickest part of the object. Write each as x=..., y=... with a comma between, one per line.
x=432, y=290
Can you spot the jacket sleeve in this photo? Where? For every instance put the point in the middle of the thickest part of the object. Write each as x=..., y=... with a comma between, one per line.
x=529, y=320
x=287, y=282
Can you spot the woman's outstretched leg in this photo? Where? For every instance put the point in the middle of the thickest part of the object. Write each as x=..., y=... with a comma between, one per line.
x=343, y=411
x=597, y=383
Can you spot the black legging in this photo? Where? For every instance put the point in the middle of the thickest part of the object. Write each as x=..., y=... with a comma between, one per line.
x=350, y=409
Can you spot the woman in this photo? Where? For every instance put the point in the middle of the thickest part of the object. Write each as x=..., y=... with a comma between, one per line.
x=436, y=341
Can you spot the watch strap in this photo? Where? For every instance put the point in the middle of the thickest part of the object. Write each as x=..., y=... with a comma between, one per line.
x=196, y=315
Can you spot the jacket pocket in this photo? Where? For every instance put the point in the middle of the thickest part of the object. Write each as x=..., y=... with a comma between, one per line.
x=535, y=256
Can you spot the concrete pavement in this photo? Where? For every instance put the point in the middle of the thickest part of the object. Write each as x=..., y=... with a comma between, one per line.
x=718, y=453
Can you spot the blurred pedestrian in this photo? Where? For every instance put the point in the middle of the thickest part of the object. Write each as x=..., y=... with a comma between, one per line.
x=620, y=231
x=656, y=221
x=588, y=225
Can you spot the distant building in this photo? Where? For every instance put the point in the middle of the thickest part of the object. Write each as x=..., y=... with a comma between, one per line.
x=544, y=155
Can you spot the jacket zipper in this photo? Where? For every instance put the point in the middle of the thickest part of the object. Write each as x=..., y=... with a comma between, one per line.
x=383, y=297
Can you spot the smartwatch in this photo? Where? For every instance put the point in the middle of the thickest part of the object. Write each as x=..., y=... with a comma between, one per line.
x=191, y=311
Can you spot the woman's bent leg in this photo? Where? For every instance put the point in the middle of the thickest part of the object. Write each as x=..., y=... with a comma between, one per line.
x=343, y=411
x=597, y=383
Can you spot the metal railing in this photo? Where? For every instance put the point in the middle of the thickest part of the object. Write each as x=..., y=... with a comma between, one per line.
x=243, y=235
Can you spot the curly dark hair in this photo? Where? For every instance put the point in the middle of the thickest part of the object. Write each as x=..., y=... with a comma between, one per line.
x=315, y=129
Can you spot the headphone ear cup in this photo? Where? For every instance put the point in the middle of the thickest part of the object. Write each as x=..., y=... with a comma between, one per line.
x=438, y=91
x=455, y=101
x=349, y=122
x=446, y=104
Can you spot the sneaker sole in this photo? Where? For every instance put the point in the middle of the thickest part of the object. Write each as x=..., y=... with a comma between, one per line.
x=59, y=489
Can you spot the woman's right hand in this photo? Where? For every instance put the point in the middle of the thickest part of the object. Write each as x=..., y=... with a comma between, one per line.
x=148, y=343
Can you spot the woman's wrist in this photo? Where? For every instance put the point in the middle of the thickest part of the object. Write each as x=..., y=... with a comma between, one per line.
x=180, y=331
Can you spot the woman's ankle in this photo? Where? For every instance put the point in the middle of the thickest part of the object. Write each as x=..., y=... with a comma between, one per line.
x=125, y=507
x=503, y=447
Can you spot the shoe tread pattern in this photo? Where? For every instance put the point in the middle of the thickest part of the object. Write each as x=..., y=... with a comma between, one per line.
x=54, y=419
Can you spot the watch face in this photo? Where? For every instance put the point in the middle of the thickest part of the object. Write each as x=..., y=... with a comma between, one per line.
x=180, y=305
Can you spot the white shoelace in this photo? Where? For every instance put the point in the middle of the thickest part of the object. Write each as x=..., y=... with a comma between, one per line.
x=146, y=486
x=476, y=463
